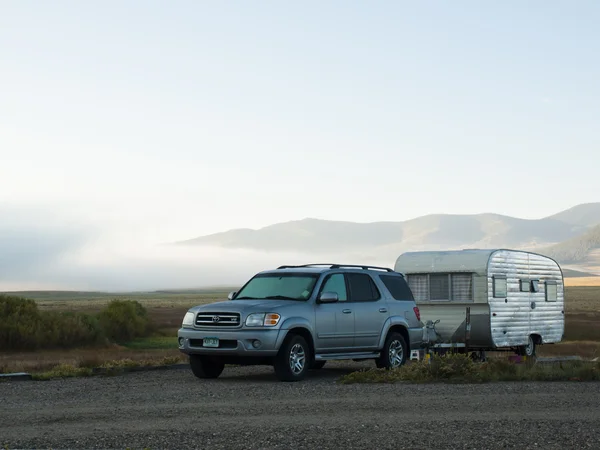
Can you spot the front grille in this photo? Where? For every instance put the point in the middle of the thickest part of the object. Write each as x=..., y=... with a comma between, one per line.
x=217, y=319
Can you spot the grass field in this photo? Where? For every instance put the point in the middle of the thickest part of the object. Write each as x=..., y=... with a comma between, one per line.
x=167, y=308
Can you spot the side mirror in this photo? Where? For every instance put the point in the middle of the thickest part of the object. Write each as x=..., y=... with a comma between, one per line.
x=328, y=297
x=231, y=295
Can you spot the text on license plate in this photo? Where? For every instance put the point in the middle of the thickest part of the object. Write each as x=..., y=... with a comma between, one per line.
x=210, y=342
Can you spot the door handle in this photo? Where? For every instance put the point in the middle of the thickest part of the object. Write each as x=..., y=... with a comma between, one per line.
x=346, y=311
x=382, y=310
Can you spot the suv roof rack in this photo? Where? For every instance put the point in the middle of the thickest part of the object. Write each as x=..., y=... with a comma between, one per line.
x=339, y=266
x=305, y=265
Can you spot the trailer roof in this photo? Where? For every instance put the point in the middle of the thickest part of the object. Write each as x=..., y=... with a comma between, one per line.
x=468, y=260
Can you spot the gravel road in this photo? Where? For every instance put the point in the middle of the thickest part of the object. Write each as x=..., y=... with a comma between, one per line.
x=248, y=408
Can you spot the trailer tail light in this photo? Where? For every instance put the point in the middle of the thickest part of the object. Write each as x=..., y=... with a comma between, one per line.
x=417, y=313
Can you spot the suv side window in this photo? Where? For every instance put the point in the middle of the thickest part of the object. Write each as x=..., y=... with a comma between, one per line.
x=397, y=286
x=362, y=288
x=336, y=283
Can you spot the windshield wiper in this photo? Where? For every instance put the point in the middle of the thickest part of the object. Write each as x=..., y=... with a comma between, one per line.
x=245, y=298
x=280, y=297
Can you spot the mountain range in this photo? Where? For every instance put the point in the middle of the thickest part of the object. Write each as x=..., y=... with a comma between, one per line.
x=571, y=236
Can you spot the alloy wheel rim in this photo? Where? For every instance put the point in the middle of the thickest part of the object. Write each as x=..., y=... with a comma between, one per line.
x=297, y=359
x=396, y=353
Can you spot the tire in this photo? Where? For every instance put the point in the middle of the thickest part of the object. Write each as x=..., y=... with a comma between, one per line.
x=393, y=353
x=292, y=361
x=530, y=348
x=318, y=365
x=206, y=366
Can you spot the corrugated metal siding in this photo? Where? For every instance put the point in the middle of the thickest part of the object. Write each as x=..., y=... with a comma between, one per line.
x=515, y=320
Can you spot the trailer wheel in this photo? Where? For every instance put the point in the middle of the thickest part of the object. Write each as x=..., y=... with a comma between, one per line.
x=529, y=349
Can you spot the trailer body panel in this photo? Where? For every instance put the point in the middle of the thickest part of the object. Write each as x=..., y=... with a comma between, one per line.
x=493, y=284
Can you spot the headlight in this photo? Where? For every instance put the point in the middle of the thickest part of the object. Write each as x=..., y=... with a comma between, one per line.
x=262, y=320
x=188, y=319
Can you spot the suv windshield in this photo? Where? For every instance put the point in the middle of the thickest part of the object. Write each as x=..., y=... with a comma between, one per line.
x=278, y=286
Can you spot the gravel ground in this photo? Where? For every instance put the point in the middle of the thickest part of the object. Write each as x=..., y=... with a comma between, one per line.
x=248, y=408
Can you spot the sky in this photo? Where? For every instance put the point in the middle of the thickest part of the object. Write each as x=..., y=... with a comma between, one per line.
x=144, y=122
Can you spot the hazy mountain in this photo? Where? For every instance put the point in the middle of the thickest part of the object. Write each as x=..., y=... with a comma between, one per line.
x=584, y=215
x=579, y=249
x=570, y=273
x=436, y=231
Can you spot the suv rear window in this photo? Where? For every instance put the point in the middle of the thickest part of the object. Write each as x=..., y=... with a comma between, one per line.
x=397, y=286
x=362, y=287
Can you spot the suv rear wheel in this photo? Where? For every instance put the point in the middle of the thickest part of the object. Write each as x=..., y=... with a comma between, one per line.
x=292, y=361
x=393, y=353
x=206, y=366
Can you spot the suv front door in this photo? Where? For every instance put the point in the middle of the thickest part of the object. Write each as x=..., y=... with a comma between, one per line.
x=334, y=322
x=370, y=311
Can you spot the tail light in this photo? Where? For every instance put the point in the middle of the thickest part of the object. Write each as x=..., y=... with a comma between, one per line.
x=417, y=313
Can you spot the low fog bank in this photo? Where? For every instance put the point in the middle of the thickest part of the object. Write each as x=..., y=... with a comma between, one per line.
x=42, y=251
x=116, y=267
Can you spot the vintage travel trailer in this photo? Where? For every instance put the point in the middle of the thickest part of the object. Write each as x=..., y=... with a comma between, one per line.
x=515, y=298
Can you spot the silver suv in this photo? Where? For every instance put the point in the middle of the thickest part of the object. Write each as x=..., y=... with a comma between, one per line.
x=296, y=318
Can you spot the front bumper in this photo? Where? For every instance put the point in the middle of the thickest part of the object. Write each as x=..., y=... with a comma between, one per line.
x=243, y=342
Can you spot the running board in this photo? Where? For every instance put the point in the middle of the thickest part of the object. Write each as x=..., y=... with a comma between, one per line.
x=330, y=356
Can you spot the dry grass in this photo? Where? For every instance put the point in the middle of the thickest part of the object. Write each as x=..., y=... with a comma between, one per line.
x=33, y=362
x=585, y=349
x=582, y=281
x=582, y=333
x=461, y=369
x=582, y=299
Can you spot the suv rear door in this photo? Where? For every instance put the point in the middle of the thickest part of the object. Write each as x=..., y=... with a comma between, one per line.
x=370, y=310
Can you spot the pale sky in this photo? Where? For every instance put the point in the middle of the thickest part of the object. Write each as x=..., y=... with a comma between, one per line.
x=162, y=121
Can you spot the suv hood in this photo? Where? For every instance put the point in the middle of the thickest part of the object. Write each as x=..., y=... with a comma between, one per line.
x=246, y=306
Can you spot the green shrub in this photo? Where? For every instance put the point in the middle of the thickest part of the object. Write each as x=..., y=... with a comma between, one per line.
x=460, y=368
x=21, y=324
x=124, y=320
x=69, y=329
x=24, y=327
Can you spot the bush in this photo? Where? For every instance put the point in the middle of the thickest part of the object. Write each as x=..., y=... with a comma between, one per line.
x=68, y=329
x=461, y=368
x=24, y=327
x=124, y=320
x=21, y=324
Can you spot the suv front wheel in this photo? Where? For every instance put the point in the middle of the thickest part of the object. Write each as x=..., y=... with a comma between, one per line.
x=293, y=360
x=393, y=353
x=206, y=366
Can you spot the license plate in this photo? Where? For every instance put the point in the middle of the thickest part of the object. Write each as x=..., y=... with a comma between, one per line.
x=210, y=342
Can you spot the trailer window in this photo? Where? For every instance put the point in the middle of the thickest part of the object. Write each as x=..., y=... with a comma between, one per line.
x=524, y=285
x=535, y=285
x=551, y=291
x=439, y=287
x=419, y=285
x=500, y=289
x=462, y=287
